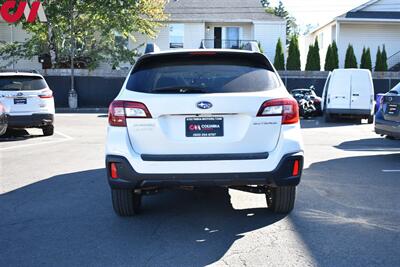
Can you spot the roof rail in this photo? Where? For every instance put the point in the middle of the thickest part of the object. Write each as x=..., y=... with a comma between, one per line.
x=151, y=48
x=252, y=46
x=18, y=71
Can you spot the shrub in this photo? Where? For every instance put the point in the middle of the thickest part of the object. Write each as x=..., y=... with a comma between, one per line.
x=351, y=60
x=279, y=61
x=293, y=60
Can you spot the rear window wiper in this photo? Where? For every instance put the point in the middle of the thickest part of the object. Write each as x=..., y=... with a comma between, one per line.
x=179, y=90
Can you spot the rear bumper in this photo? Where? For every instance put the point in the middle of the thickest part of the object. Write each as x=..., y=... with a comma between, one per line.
x=351, y=112
x=129, y=178
x=390, y=128
x=30, y=121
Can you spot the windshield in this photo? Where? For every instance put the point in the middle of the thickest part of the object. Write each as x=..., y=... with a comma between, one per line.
x=22, y=83
x=203, y=76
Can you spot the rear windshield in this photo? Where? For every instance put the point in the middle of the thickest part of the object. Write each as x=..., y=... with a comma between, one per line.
x=203, y=74
x=21, y=83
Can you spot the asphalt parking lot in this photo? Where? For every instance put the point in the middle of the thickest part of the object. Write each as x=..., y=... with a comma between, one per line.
x=55, y=207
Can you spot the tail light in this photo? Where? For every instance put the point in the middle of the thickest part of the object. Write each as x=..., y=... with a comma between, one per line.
x=46, y=94
x=119, y=111
x=286, y=107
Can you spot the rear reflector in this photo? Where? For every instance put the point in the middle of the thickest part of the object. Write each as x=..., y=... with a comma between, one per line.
x=285, y=107
x=119, y=111
x=114, y=171
x=296, y=168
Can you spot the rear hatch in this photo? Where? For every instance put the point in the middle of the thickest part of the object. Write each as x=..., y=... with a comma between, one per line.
x=391, y=105
x=339, y=91
x=204, y=103
x=23, y=95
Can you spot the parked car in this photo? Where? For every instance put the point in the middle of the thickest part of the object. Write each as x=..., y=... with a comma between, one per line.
x=349, y=93
x=387, y=120
x=28, y=101
x=309, y=102
x=3, y=120
x=203, y=118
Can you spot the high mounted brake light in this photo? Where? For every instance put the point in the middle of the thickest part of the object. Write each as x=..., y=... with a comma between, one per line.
x=119, y=111
x=285, y=107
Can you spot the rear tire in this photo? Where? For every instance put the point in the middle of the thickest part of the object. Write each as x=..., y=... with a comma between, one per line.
x=125, y=202
x=370, y=119
x=281, y=199
x=48, y=130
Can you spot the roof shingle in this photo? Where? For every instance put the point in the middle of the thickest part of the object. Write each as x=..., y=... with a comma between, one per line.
x=218, y=10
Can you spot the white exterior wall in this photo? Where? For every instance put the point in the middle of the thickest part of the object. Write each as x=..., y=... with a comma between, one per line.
x=194, y=34
x=268, y=33
x=368, y=35
x=325, y=35
x=17, y=34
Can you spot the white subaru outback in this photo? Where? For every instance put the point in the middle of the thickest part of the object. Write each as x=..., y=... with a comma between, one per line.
x=191, y=118
x=28, y=101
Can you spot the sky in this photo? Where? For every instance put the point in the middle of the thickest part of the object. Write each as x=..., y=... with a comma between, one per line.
x=317, y=11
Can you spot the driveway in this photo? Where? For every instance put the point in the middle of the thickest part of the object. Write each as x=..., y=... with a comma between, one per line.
x=55, y=207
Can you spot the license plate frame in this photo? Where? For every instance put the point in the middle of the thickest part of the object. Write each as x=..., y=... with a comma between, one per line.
x=20, y=101
x=203, y=127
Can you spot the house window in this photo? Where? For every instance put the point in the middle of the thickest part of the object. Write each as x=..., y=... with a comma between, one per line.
x=176, y=35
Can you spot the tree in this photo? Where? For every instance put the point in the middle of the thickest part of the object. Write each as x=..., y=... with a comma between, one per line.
x=280, y=11
x=313, y=57
x=91, y=27
x=378, y=62
x=310, y=58
x=363, y=58
x=351, y=60
x=279, y=61
x=317, y=57
x=335, y=56
x=384, y=59
x=293, y=60
x=329, y=59
x=366, y=62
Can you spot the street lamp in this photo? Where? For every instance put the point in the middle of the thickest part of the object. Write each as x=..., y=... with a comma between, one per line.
x=72, y=94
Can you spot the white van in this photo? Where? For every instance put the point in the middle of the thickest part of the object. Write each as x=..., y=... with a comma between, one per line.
x=349, y=93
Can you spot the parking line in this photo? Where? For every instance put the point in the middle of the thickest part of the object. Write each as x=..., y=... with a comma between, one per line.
x=388, y=171
x=66, y=138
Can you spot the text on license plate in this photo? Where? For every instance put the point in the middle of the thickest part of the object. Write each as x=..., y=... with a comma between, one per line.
x=205, y=127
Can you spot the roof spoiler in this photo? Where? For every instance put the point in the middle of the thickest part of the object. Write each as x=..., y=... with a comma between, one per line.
x=151, y=48
x=18, y=71
x=252, y=46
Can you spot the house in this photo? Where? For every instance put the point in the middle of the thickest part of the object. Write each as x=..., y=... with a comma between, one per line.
x=375, y=23
x=218, y=24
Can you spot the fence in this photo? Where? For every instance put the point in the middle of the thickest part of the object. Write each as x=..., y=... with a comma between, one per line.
x=97, y=89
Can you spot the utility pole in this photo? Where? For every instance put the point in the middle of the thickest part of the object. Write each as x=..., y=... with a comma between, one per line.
x=72, y=96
